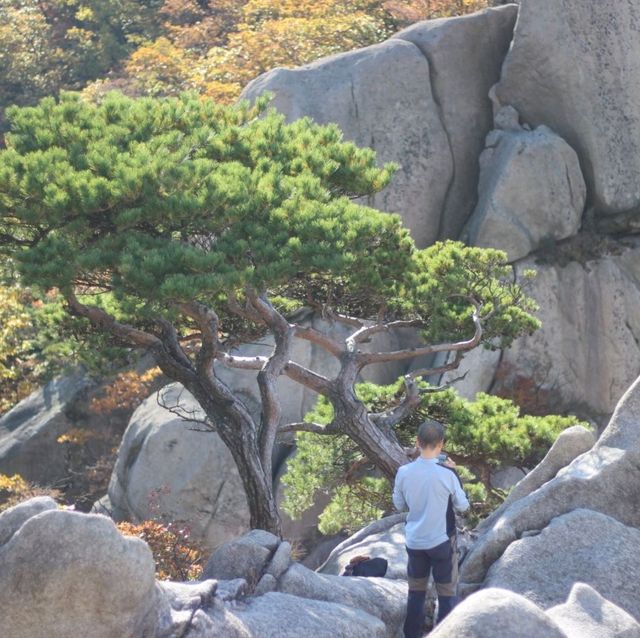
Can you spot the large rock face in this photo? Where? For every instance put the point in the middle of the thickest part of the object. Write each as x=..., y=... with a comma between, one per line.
x=465, y=56
x=29, y=432
x=421, y=99
x=587, y=352
x=425, y=107
x=66, y=574
x=380, y=97
x=575, y=66
x=603, y=483
x=168, y=469
x=581, y=546
x=531, y=188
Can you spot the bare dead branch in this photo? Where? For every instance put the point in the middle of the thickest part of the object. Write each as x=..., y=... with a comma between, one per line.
x=324, y=341
x=303, y=426
x=452, y=365
x=177, y=408
x=366, y=332
x=240, y=362
x=312, y=380
x=443, y=386
x=367, y=358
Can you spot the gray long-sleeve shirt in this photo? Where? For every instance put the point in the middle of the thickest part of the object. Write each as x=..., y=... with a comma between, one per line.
x=424, y=487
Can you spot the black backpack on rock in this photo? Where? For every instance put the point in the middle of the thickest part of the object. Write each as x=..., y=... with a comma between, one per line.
x=365, y=566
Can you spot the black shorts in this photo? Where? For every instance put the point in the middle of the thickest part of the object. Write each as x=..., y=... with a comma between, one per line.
x=441, y=560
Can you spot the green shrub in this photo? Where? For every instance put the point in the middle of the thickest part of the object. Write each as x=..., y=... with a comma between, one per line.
x=481, y=436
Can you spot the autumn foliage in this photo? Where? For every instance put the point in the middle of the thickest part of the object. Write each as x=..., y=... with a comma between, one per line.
x=126, y=391
x=177, y=556
x=218, y=50
x=14, y=489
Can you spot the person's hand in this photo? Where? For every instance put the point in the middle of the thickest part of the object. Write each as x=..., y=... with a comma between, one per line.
x=450, y=462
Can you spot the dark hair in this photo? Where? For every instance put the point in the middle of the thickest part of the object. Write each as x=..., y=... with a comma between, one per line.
x=430, y=433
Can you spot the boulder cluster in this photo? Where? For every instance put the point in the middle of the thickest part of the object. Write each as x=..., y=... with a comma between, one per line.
x=64, y=574
x=518, y=128
x=557, y=559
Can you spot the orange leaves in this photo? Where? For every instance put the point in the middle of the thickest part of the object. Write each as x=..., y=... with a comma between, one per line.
x=176, y=556
x=127, y=391
x=406, y=12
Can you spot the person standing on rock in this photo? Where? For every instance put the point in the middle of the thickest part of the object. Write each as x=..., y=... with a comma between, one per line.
x=429, y=491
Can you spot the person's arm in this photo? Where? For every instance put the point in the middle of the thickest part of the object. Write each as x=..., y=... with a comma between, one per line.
x=460, y=500
x=398, y=497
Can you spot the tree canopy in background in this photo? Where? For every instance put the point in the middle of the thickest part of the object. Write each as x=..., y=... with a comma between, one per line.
x=167, y=46
x=217, y=48
x=49, y=45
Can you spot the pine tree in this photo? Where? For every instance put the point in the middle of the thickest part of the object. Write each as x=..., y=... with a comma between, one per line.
x=180, y=226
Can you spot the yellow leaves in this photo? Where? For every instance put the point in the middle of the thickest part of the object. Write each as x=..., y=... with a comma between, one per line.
x=85, y=14
x=160, y=67
x=257, y=12
x=295, y=35
x=14, y=489
x=13, y=484
x=406, y=12
x=218, y=51
x=15, y=332
x=77, y=436
x=13, y=319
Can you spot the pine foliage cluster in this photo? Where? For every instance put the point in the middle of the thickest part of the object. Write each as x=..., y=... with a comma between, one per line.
x=481, y=436
x=143, y=204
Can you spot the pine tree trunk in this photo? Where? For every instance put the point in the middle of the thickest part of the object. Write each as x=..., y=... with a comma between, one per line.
x=258, y=489
x=239, y=436
x=379, y=447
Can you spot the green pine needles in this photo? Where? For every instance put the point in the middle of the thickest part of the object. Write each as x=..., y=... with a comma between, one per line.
x=170, y=200
x=160, y=201
x=181, y=226
x=481, y=436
